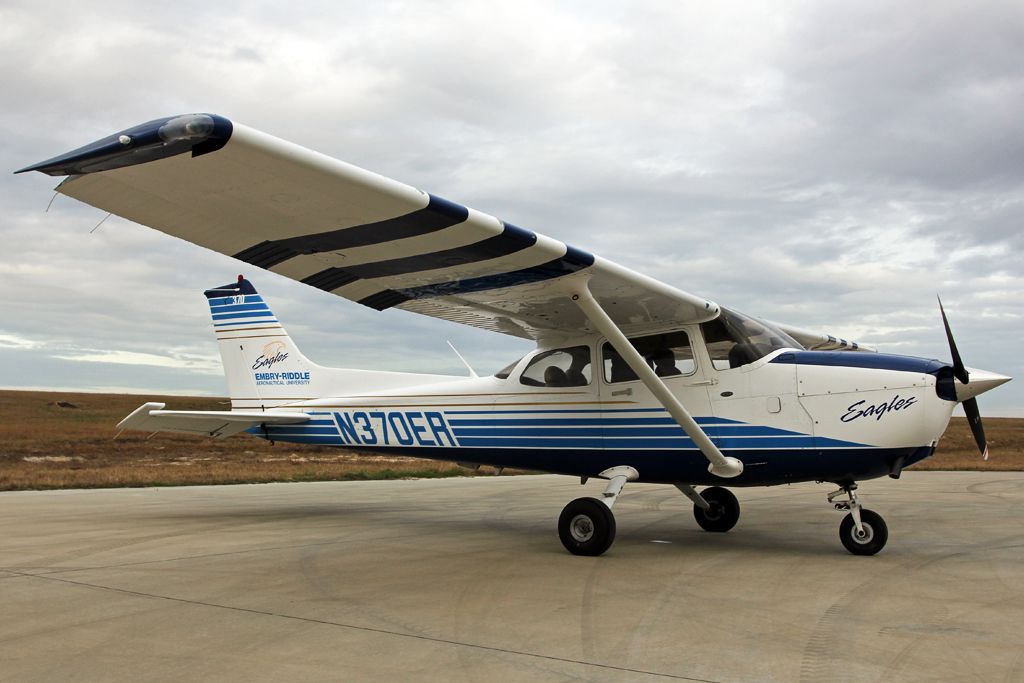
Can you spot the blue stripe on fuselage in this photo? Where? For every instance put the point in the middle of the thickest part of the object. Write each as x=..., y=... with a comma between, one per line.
x=389, y=428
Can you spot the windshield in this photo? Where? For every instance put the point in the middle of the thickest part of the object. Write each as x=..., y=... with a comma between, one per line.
x=734, y=339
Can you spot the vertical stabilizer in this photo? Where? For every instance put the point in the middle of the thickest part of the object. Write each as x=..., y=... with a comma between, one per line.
x=265, y=369
x=262, y=365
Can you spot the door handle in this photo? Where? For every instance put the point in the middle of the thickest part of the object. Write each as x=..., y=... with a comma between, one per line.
x=704, y=383
x=623, y=392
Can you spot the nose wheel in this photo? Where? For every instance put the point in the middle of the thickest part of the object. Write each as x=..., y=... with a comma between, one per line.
x=862, y=532
x=869, y=539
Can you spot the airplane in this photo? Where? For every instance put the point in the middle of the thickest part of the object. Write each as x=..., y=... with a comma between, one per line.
x=631, y=380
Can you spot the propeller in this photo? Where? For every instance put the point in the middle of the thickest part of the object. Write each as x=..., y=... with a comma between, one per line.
x=970, y=404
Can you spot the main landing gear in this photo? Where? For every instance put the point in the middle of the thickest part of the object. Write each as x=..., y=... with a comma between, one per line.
x=862, y=532
x=587, y=525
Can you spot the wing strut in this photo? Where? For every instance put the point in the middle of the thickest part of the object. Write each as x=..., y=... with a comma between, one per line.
x=721, y=465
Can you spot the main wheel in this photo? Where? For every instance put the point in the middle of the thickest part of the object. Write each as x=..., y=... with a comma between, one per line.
x=873, y=538
x=586, y=527
x=723, y=513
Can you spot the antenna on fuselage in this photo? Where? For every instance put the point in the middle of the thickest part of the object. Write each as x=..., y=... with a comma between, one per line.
x=472, y=372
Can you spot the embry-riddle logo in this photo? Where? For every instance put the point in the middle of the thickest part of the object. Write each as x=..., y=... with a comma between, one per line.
x=274, y=352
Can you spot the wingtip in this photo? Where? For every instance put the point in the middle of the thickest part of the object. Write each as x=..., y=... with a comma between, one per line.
x=197, y=134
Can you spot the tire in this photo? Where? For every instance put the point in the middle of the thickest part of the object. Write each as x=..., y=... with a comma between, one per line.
x=875, y=530
x=586, y=527
x=723, y=513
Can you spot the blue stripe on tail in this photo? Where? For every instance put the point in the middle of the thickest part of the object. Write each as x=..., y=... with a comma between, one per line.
x=238, y=303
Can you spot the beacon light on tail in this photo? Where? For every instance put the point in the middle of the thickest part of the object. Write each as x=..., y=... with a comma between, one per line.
x=631, y=379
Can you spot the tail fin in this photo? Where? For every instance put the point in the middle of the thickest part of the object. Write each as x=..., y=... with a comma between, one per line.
x=265, y=369
x=262, y=365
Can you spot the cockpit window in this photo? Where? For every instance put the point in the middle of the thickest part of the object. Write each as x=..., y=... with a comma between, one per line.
x=734, y=339
x=569, y=367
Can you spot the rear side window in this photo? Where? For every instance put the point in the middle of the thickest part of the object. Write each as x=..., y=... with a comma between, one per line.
x=568, y=367
x=669, y=354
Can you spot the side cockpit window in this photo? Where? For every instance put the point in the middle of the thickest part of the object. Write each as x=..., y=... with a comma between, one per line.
x=568, y=367
x=669, y=355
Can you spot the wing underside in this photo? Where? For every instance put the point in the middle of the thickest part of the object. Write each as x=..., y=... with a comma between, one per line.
x=369, y=239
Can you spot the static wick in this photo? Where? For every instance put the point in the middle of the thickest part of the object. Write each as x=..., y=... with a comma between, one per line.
x=52, y=199
x=100, y=223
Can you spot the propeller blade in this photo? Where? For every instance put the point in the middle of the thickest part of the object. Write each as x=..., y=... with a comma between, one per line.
x=974, y=420
x=959, y=371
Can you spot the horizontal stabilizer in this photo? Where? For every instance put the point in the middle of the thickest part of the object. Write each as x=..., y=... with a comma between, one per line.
x=151, y=417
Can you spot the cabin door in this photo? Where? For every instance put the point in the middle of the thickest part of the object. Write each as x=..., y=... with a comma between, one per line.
x=633, y=418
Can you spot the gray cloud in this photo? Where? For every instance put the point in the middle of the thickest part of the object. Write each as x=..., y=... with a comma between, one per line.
x=829, y=165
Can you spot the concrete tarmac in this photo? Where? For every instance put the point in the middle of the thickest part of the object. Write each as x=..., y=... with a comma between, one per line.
x=465, y=580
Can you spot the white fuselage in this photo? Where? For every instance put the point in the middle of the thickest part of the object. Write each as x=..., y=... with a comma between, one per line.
x=789, y=416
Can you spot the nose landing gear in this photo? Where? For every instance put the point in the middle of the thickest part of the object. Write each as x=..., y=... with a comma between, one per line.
x=863, y=532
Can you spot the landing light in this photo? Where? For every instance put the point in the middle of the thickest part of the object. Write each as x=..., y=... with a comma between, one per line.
x=187, y=127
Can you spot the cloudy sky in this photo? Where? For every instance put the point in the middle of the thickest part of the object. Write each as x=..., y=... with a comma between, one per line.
x=833, y=165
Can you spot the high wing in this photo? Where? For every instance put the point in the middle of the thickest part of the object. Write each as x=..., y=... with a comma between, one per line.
x=356, y=234
x=151, y=417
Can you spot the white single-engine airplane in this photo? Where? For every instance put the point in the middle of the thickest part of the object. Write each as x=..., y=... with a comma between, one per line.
x=632, y=379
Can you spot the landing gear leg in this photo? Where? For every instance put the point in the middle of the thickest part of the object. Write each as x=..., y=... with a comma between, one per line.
x=587, y=525
x=862, y=532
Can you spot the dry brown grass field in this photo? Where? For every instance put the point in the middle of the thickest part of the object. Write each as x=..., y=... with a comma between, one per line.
x=43, y=445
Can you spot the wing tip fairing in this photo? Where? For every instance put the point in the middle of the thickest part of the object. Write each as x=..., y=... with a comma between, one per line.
x=197, y=134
